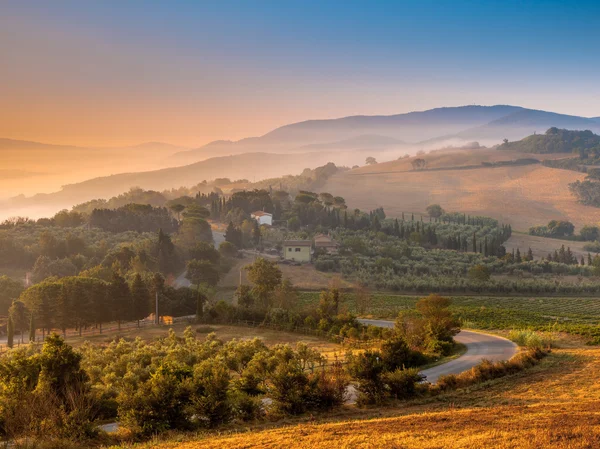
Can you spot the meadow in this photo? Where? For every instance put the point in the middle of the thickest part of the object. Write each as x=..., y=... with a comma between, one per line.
x=522, y=196
x=579, y=316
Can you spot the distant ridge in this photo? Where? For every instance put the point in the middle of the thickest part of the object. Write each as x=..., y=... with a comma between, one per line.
x=429, y=129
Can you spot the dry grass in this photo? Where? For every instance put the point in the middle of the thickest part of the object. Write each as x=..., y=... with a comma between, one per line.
x=541, y=246
x=303, y=277
x=556, y=404
x=523, y=196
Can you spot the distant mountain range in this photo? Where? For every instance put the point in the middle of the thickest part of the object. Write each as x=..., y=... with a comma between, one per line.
x=285, y=150
x=251, y=166
x=430, y=129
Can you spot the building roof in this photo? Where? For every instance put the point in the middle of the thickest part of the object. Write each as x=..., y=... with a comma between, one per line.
x=260, y=213
x=297, y=243
x=329, y=244
x=324, y=241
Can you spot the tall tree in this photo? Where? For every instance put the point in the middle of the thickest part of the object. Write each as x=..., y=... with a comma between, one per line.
x=140, y=296
x=10, y=329
x=120, y=298
x=265, y=276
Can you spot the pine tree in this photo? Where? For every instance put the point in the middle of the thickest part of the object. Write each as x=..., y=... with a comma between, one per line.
x=582, y=261
x=529, y=254
x=518, y=259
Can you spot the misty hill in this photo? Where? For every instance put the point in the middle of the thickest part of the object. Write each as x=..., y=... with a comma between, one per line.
x=525, y=122
x=363, y=142
x=431, y=129
x=252, y=166
x=57, y=165
x=555, y=140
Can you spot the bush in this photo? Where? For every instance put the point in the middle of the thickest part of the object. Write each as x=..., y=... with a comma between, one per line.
x=327, y=388
x=402, y=383
x=530, y=339
x=487, y=370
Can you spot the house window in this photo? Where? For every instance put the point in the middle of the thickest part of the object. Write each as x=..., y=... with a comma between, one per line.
x=289, y=250
x=297, y=250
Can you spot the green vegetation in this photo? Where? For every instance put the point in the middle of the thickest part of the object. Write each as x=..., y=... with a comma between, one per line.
x=184, y=383
x=560, y=314
x=584, y=143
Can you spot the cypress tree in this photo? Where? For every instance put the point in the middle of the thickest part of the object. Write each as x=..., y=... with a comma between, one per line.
x=31, y=328
x=529, y=254
x=10, y=328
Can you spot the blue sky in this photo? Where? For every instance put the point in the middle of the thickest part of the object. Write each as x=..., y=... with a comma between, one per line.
x=189, y=72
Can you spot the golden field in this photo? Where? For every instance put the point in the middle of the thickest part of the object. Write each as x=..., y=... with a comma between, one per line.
x=556, y=404
x=522, y=196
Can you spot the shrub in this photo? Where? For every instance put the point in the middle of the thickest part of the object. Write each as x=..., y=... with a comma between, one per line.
x=402, y=383
x=530, y=339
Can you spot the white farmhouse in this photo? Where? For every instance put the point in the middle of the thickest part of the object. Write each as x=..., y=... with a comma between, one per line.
x=263, y=218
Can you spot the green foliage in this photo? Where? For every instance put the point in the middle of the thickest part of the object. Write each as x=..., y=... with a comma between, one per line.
x=402, y=383
x=265, y=277
x=133, y=217
x=10, y=290
x=479, y=273
x=201, y=272
x=435, y=210
x=555, y=229
x=557, y=141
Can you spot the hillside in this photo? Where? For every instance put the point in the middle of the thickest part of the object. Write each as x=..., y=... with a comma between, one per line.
x=523, y=196
x=251, y=166
x=429, y=129
x=47, y=167
x=552, y=405
x=556, y=140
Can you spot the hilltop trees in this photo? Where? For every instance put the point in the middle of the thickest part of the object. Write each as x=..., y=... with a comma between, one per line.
x=435, y=210
x=419, y=164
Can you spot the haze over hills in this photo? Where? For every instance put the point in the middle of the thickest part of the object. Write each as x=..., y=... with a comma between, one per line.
x=429, y=129
x=33, y=167
x=251, y=166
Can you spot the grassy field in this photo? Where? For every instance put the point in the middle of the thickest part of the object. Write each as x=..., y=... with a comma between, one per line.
x=553, y=405
x=575, y=315
x=523, y=196
x=303, y=276
x=541, y=246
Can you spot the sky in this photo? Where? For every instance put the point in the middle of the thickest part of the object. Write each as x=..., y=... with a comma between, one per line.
x=108, y=73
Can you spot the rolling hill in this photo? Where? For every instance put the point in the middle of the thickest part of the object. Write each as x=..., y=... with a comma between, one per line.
x=46, y=167
x=555, y=140
x=431, y=129
x=252, y=166
x=523, y=196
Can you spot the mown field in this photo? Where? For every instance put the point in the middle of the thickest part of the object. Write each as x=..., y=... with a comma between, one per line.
x=574, y=315
x=553, y=405
x=522, y=196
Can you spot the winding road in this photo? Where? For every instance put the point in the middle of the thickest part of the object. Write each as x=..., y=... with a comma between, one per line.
x=479, y=347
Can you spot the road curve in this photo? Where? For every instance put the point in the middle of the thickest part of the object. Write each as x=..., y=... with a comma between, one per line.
x=479, y=347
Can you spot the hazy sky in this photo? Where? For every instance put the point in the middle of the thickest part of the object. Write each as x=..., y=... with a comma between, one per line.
x=114, y=72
